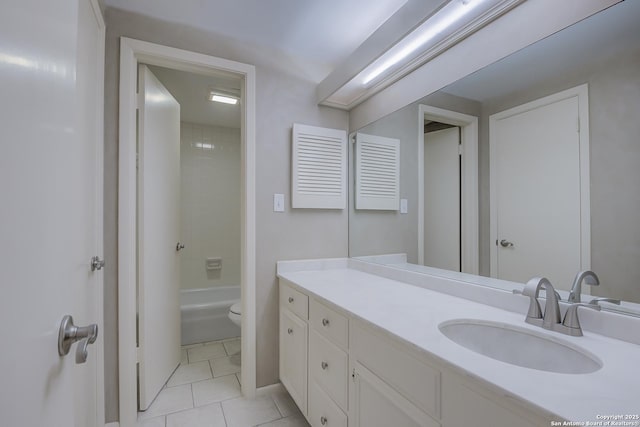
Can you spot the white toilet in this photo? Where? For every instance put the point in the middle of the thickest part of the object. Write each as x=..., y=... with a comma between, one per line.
x=235, y=313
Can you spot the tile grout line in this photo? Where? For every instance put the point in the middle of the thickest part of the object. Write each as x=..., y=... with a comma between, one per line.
x=224, y=416
x=193, y=398
x=276, y=405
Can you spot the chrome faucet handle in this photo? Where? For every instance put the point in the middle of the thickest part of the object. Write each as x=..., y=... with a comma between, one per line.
x=589, y=277
x=571, y=323
x=597, y=301
x=534, y=314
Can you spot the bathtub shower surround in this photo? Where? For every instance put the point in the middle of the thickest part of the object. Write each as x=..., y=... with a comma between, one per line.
x=210, y=206
x=204, y=314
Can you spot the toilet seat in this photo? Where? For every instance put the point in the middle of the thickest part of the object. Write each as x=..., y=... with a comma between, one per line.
x=235, y=313
x=236, y=308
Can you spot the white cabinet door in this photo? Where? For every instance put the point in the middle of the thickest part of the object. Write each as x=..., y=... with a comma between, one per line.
x=159, y=222
x=293, y=357
x=51, y=63
x=376, y=404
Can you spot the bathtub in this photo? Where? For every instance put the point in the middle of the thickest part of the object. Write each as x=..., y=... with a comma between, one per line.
x=203, y=314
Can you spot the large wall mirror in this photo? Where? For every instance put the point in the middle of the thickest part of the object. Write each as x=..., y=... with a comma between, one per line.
x=597, y=62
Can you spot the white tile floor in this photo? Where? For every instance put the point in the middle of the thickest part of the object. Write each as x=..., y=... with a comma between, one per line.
x=205, y=392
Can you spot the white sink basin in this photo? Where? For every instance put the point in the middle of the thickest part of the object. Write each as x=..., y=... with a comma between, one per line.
x=519, y=346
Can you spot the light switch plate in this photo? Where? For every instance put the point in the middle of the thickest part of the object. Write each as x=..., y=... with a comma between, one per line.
x=278, y=202
x=404, y=206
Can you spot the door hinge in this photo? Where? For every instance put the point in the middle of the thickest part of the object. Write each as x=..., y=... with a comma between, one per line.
x=578, y=125
x=139, y=100
x=138, y=354
x=459, y=149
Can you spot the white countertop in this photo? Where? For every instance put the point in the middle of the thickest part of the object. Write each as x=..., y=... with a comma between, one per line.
x=413, y=314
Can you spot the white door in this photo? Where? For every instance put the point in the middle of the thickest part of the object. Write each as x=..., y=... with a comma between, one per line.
x=51, y=62
x=442, y=199
x=159, y=224
x=536, y=206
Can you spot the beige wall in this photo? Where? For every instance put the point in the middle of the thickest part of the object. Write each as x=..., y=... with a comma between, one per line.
x=284, y=96
x=209, y=205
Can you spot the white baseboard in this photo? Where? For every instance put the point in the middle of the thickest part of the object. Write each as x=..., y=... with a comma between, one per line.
x=268, y=389
x=113, y=424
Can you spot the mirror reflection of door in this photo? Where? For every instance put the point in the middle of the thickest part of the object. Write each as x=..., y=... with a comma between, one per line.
x=442, y=246
x=537, y=153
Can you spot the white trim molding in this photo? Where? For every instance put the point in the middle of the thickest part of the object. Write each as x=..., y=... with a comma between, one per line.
x=469, y=200
x=133, y=52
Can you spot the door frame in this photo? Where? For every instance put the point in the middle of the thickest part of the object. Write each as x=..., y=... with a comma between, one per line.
x=99, y=204
x=582, y=92
x=133, y=52
x=469, y=200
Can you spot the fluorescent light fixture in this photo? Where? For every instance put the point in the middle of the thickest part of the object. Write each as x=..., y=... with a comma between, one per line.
x=436, y=32
x=437, y=24
x=225, y=99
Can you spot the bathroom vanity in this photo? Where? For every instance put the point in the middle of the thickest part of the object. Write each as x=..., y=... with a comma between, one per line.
x=369, y=345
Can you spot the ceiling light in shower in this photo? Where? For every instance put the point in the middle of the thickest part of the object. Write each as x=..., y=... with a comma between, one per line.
x=224, y=96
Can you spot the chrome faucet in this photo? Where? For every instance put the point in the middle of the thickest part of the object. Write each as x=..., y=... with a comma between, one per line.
x=589, y=277
x=551, y=318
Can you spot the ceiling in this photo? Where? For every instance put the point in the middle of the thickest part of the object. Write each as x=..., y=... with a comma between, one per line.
x=325, y=31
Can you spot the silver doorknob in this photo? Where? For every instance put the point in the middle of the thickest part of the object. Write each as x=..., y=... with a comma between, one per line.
x=323, y=421
x=70, y=333
x=96, y=263
x=506, y=244
x=179, y=246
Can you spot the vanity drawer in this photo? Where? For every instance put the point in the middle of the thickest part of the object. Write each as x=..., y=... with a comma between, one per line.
x=322, y=411
x=329, y=323
x=328, y=368
x=396, y=365
x=294, y=300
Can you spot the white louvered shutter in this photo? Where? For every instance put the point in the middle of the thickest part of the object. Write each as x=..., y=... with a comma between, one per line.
x=319, y=168
x=377, y=172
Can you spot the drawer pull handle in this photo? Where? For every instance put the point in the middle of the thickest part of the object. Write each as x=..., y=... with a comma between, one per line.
x=324, y=365
x=325, y=322
x=290, y=300
x=290, y=331
x=323, y=421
